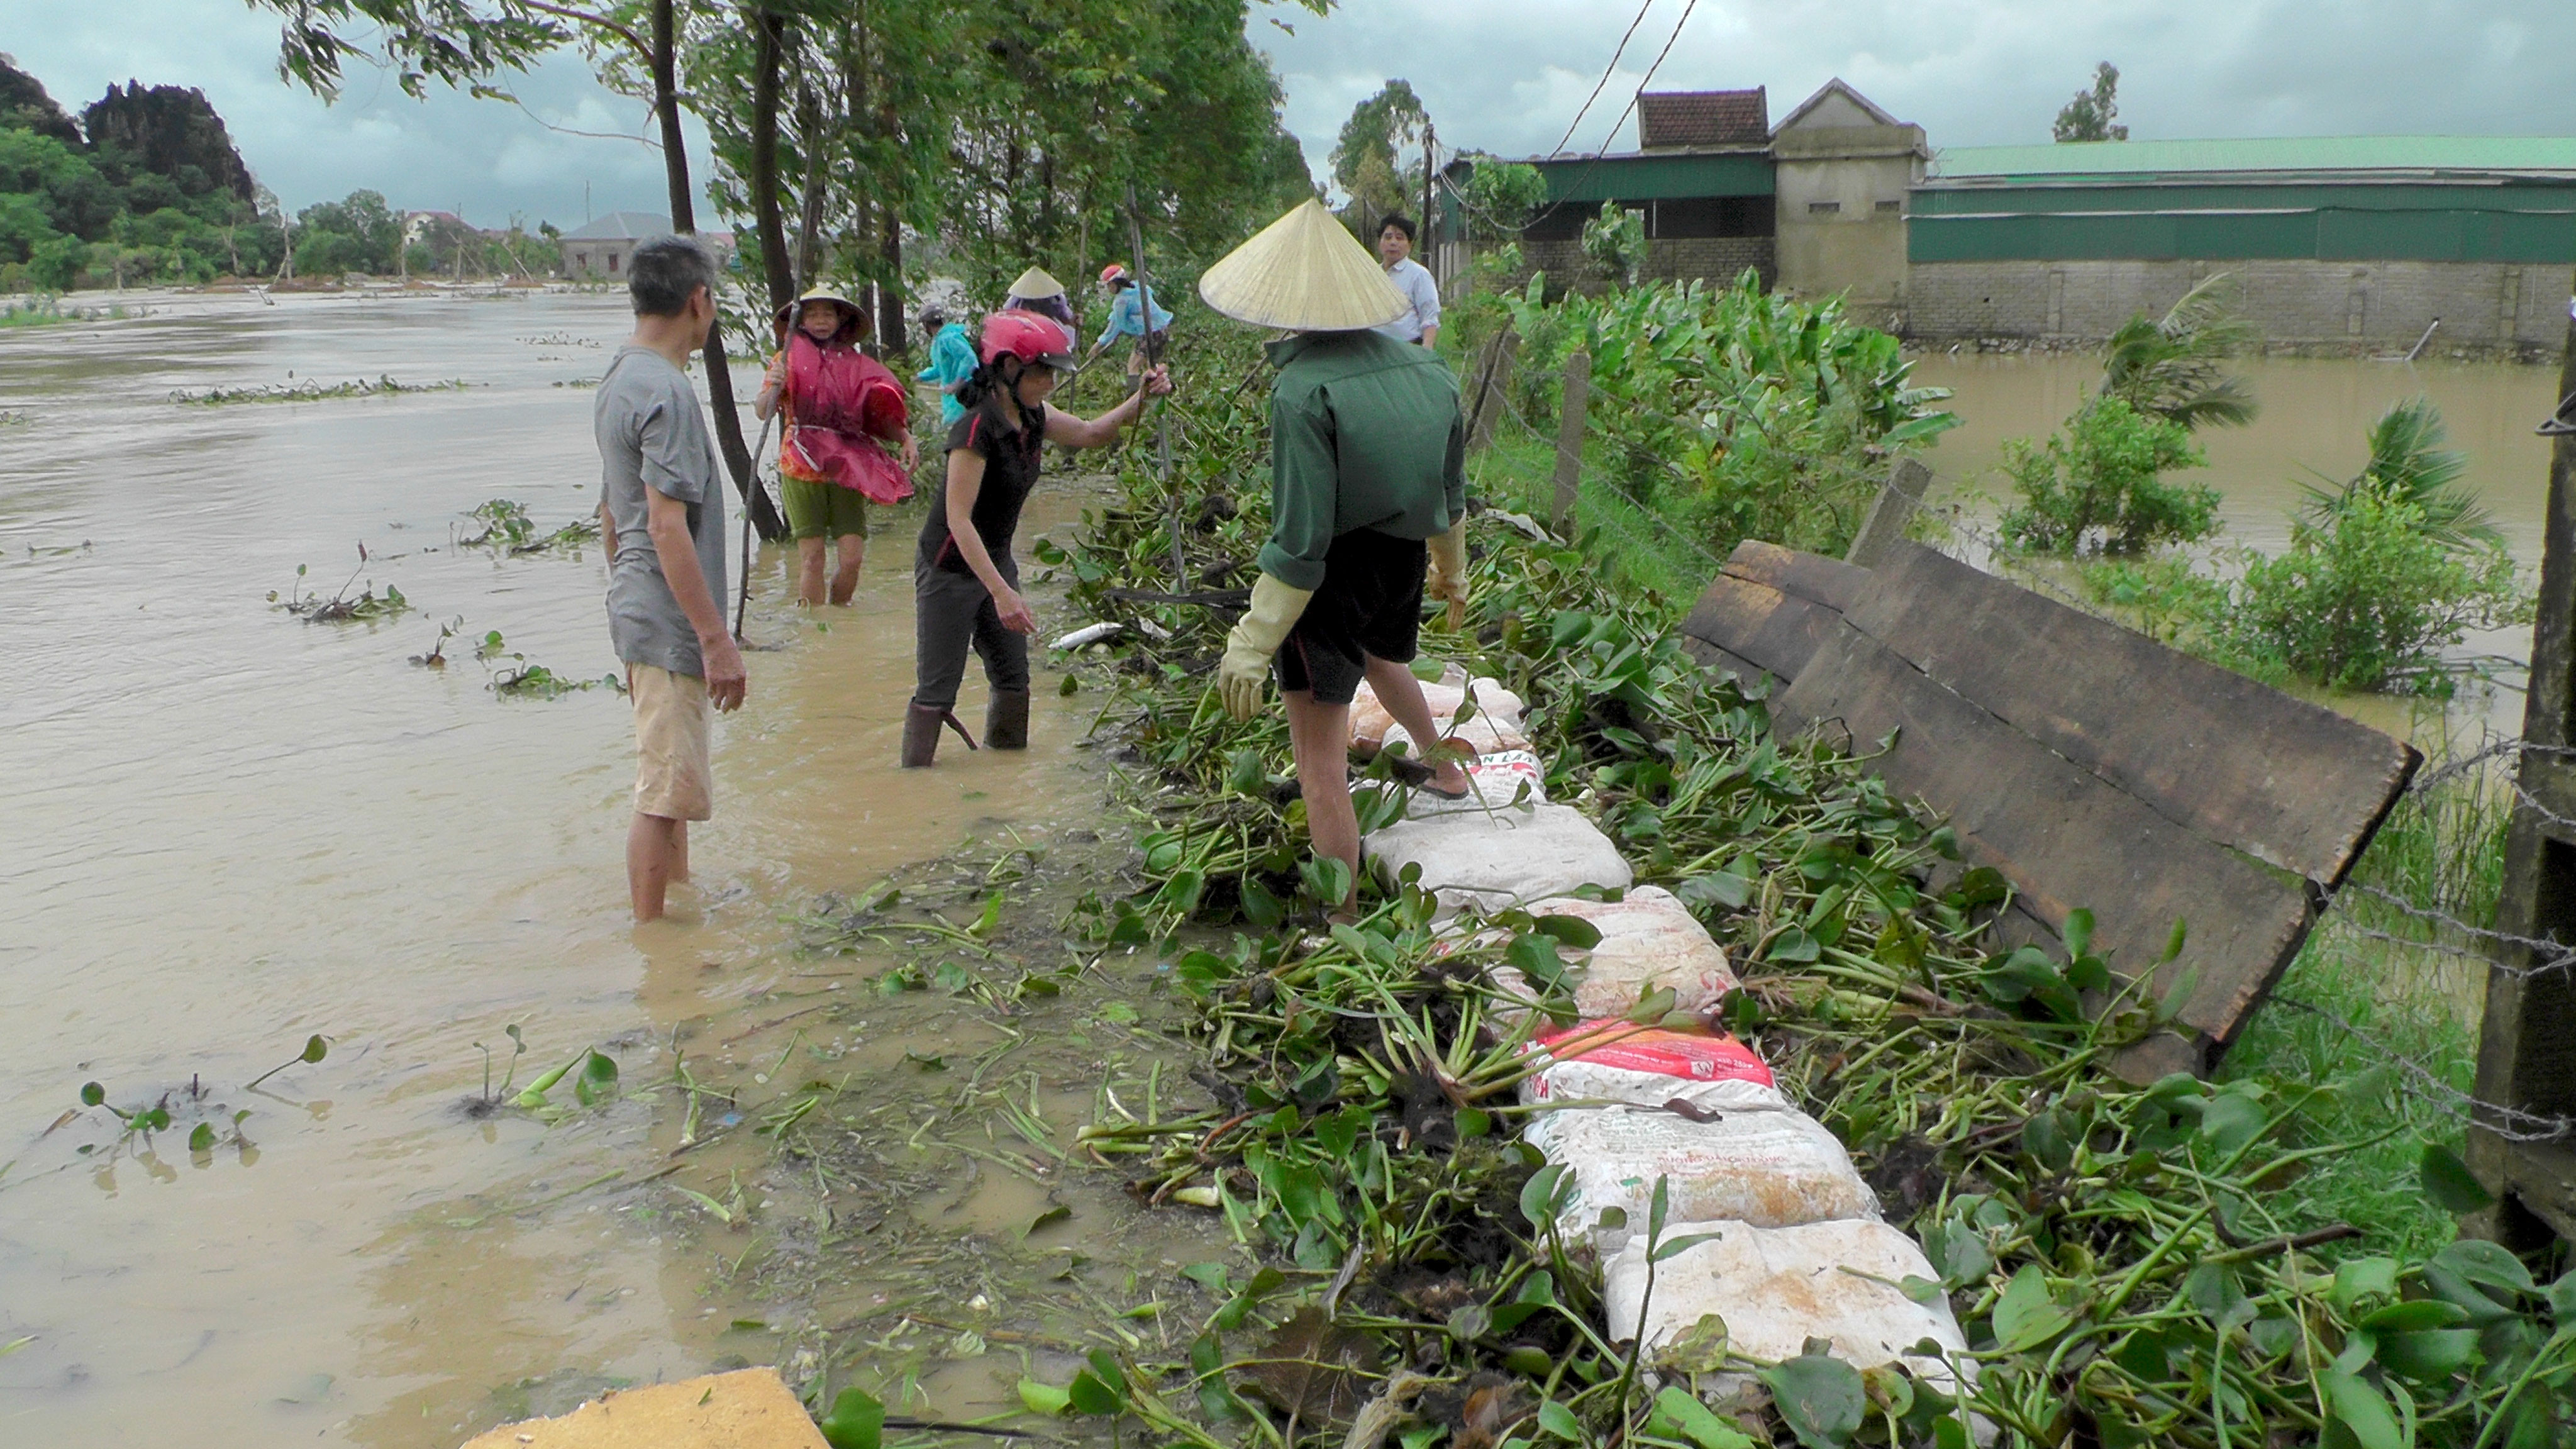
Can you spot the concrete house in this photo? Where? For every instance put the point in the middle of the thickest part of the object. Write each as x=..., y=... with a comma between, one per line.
x=598, y=251
x=1842, y=169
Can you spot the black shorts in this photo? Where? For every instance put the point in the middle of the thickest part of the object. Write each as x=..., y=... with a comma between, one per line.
x=1368, y=607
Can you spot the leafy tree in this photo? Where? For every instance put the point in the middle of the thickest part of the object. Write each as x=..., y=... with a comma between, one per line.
x=2370, y=596
x=23, y=227
x=2098, y=484
x=2091, y=115
x=1615, y=243
x=1500, y=197
x=2409, y=464
x=355, y=234
x=77, y=201
x=1377, y=161
x=2173, y=366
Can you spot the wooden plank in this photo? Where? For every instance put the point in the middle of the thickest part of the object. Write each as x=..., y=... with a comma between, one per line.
x=2062, y=835
x=1754, y=621
x=2242, y=764
x=1755, y=678
x=1813, y=577
x=1889, y=513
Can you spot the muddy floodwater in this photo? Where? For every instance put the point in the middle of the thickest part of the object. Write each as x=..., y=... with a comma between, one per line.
x=228, y=829
x=2315, y=416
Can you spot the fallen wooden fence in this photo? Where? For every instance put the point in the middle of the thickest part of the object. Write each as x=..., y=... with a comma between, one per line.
x=2088, y=764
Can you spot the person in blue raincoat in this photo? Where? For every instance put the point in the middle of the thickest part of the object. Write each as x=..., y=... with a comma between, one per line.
x=1133, y=312
x=952, y=362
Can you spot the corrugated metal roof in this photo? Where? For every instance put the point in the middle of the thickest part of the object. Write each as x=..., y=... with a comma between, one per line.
x=1702, y=118
x=2070, y=161
x=622, y=226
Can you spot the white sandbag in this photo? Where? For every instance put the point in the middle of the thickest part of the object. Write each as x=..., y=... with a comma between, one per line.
x=1775, y=1288
x=1370, y=721
x=1597, y=1063
x=1649, y=940
x=1503, y=780
x=1773, y=1169
x=1500, y=858
x=1485, y=734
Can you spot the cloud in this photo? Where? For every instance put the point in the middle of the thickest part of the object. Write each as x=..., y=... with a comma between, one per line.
x=1501, y=75
x=494, y=159
x=1508, y=75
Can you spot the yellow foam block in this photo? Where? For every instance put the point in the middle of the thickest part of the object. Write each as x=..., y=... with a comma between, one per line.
x=747, y=1409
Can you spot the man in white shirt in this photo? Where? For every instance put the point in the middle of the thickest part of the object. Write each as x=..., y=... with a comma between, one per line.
x=1412, y=278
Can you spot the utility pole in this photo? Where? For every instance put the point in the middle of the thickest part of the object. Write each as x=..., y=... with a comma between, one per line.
x=1162, y=416
x=1428, y=137
x=2527, y=1043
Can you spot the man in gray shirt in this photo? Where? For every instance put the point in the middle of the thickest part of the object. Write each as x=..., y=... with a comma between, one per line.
x=663, y=511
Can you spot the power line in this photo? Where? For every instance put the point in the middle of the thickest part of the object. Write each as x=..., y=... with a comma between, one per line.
x=1606, y=72
x=1586, y=173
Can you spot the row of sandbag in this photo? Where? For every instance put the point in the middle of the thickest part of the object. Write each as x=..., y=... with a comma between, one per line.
x=1797, y=1250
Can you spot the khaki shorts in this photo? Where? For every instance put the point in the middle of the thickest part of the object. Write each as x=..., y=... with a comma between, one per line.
x=674, y=778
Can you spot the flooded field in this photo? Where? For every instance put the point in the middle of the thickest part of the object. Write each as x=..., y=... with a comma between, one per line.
x=2315, y=414
x=229, y=830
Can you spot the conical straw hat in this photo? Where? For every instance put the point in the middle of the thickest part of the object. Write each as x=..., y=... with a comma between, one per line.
x=1036, y=283
x=1306, y=273
x=788, y=314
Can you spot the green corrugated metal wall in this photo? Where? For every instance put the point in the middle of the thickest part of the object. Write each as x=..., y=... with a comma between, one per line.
x=2393, y=221
x=1654, y=178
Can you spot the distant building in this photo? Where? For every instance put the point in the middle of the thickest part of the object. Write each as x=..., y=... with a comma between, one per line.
x=599, y=250
x=2361, y=240
x=2352, y=240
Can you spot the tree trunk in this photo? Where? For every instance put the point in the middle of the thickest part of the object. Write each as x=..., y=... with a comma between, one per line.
x=890, y=322
x=767, y=58
x=809, y=220
x=684, y=220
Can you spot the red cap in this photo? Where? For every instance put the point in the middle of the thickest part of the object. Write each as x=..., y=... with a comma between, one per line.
x=1111, y=273
x=1028, y=337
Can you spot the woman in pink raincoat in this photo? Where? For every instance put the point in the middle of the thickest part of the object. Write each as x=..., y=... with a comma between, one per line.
x=845, y=439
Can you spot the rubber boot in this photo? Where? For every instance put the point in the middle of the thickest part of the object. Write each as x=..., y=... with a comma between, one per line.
x=1006, y=720
x=921, y=735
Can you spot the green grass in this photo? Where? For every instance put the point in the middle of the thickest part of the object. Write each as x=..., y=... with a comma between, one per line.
x=2442, y=849
x=1518, y=473
x=41, y=312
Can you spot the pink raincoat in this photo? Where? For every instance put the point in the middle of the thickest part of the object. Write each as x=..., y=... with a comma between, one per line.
x=841, y=402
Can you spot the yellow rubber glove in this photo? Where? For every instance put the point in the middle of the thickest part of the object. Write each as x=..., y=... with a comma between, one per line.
x=1449, y=571
x=1257, y=636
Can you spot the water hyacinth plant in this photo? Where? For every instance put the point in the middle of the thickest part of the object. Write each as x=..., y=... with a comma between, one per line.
x=2132, y=1264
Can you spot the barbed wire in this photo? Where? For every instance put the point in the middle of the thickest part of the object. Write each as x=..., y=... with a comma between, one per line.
x=2511, y=1123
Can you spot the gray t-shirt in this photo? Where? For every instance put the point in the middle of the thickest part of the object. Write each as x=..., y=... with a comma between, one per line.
x=652, y=433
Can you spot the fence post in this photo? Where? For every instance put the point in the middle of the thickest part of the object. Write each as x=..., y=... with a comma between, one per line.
x=2527, y=1042
x=1569, y=437
x=1888, y=513
x=1492, y=386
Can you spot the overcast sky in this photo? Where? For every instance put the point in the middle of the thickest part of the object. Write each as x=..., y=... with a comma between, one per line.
x=1499, y=75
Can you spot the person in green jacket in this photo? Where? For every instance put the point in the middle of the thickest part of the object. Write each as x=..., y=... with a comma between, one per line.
x=1368, y=507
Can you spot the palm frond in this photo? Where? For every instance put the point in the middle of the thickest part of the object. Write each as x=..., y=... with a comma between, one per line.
x=2409, y=464
x=2174, y=365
